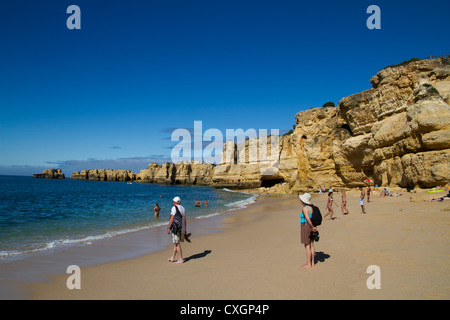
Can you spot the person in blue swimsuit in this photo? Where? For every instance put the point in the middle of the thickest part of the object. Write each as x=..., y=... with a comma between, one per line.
x=306, y=227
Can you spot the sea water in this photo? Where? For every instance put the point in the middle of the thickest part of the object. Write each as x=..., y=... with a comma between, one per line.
x=37, y=215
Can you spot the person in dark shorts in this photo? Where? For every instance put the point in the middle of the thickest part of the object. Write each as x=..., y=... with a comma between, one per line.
x=306, y=227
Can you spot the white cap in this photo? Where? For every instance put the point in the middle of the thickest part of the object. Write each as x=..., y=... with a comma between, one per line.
x=177, y=200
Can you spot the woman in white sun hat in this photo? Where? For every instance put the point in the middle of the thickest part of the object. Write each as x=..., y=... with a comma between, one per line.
x=306, y=227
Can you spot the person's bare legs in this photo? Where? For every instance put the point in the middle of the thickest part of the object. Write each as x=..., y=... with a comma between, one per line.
x=180, y=253
x=308, y=256
x=174, y=253
x=329, y=211
x=313, y=253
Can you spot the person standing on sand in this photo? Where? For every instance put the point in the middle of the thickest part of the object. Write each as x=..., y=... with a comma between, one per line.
x=344, y=202
x=179, y=237
x=368, y=194
x=306, y=227
x=361, y=200
x=330, y=205
x=157, y=209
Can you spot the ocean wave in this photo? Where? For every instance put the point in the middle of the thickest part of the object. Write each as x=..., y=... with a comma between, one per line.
x=243, y=203
x=8, y=255
x=208, y=215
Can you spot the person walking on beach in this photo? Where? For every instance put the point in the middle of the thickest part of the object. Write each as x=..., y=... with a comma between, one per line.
x=157, y=209
x=178, y=237
x=361, y=200
x=344, y=203
x=306, y=227
x=330, y=205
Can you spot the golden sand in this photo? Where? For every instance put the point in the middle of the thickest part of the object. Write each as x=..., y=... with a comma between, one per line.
x=258, y=256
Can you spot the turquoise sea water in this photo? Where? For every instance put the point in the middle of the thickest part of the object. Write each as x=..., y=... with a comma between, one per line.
x=37, y=215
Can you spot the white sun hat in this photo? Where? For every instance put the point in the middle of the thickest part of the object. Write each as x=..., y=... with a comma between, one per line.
x=305, y=198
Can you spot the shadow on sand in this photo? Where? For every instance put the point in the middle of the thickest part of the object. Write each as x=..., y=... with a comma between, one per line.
x=197, y=255
x=320, y=257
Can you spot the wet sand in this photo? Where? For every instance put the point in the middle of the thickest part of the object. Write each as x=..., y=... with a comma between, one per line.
x=257, y=255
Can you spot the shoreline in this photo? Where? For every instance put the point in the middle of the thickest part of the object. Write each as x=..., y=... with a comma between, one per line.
x=258, y=256
x=19, y=273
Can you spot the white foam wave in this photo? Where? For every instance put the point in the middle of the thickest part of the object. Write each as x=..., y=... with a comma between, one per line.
x=208, y=215
x=243, y=203
x=61, y=243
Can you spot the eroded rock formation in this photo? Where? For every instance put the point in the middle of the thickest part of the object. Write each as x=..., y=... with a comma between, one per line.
x=104, y=175
x=186, y=172
x=397, y=132
x=50, y=174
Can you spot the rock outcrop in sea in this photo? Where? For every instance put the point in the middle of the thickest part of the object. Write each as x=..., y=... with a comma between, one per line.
x=50, y=174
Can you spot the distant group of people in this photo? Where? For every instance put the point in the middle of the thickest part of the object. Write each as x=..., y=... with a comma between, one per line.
x=157, y=208
x=199, y=204
x=344, y=210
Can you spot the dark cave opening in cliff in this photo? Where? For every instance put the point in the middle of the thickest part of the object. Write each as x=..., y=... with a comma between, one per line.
x=347, y=127
x=270, y=182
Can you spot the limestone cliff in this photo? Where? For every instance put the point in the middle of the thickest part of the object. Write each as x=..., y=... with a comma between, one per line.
x=50, y=174
x=397, y=132
x=400, y=128
x=186, y=172
x=104, y=175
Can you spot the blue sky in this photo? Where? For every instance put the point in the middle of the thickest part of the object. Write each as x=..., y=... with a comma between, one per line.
x=109, y=95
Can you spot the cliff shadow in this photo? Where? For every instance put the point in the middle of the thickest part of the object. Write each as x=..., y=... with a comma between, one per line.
x=197, y=256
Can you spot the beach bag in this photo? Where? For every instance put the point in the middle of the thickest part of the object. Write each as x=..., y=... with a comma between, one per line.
x=316, y=217
x=175, y=228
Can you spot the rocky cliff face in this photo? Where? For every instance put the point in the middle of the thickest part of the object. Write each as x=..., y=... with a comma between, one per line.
x=50, y=174
x=186, y=172
x=397, y=132
x=104, y=175
x=400, y=128
x=193, y=173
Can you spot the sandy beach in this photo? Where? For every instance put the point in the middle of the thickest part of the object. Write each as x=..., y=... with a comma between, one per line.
x=258, y=256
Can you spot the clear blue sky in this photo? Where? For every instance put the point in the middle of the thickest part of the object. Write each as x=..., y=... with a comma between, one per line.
x=110, y=94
